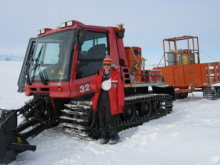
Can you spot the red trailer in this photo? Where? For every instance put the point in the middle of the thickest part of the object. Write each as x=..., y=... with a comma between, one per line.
x=184, y=71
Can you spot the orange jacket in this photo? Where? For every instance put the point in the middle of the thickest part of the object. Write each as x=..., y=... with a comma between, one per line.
x=116, y=92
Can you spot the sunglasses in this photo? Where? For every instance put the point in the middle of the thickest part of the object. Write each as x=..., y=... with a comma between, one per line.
x=107, y=64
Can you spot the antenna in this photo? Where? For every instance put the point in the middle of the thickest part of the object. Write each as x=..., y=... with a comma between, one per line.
x=60, y=14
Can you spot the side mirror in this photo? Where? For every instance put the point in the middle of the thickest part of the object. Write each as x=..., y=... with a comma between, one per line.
x=81, y=36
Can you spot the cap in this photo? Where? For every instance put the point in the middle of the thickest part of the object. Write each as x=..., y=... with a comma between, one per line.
x=107, y=60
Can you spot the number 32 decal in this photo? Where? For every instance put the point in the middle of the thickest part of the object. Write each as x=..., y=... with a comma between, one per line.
x=84, y=88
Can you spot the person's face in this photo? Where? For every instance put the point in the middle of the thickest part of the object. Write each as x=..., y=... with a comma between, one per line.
x=107, y=67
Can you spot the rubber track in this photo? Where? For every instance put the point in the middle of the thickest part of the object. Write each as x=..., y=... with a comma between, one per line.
x=80, y=130
x=211, y=93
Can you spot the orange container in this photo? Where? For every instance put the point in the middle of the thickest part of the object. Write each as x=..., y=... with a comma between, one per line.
x=185, y=59
x=133, y=55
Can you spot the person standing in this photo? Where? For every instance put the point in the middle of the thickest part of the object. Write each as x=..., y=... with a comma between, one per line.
x=108, y=101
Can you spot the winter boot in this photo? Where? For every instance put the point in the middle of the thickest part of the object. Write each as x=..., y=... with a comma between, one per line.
x=103, y=141
x=114, y=140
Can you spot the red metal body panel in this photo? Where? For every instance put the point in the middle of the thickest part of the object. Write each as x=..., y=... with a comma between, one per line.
x=51, y=89
x=80, y=87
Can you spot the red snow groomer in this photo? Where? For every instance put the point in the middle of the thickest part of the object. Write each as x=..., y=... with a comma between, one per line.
x=57, y=70
x=184, y=71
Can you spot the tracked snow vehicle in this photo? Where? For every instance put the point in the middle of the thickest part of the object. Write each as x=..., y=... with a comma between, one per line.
x=57, y=70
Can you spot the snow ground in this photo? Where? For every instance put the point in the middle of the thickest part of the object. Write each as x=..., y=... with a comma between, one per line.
x=188, y=136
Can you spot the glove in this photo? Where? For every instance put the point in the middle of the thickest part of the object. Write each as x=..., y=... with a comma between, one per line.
x=120, y=108
x=99, y=86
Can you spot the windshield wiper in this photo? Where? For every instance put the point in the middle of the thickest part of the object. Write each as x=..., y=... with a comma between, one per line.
x=43, y=76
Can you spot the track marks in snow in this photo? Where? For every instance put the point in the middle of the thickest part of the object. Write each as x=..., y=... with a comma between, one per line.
x=147, y=134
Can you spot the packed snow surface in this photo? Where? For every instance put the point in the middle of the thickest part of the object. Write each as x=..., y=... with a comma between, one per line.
x=190, y=135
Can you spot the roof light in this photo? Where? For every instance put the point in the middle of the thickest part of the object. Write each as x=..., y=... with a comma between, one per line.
x=62, y=25
x=120, y=31
x=43, y=31
x=69, y=23
x=65, y=24
x=120, y=27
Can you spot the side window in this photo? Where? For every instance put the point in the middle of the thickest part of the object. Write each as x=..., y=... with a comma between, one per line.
x=92, y=53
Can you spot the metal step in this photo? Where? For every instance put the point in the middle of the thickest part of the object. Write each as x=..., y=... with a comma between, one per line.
x=73, y=119
x=71, y=112
x=74, y=126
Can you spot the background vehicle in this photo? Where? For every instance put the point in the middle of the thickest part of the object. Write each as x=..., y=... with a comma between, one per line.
x=57, y=70
x=184, y=71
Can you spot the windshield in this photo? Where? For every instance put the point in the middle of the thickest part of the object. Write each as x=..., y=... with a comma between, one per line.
x=52, y=56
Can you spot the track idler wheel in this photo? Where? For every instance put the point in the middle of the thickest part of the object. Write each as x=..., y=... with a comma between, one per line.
x=145, y=108
x=157, y=105
x=129, y=112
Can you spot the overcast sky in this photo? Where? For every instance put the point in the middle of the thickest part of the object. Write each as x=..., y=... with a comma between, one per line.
x=147, y=22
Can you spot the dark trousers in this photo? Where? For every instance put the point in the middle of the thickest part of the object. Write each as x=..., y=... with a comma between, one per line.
x=107, y=122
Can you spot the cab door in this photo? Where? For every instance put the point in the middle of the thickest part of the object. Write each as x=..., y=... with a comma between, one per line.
x=24, y=77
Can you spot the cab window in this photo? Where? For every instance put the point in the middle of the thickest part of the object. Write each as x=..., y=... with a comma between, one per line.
x=92, y=53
